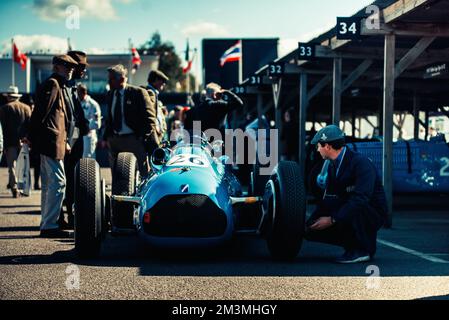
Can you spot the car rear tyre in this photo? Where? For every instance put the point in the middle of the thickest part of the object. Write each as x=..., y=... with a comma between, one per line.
x=88, y=209
x=124, y=183
x=285, y=202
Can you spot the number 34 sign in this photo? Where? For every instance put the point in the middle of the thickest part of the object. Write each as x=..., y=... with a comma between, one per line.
x=348, y=28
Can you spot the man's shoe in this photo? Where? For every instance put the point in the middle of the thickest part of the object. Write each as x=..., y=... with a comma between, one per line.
x=15, y=193
x=54, y=233
x=354, y=256
x=37, y=187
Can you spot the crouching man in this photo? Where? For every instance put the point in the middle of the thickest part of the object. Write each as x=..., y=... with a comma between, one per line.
x=353, y=207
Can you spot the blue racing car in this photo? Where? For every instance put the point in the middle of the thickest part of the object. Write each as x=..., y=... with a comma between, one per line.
x=191, y=199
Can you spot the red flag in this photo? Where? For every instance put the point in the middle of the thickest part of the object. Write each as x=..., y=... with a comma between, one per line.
x=19, y=57
x=187, y=67
x=135, y=60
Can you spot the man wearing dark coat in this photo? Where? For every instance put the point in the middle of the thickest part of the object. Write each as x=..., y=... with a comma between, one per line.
x=78, y=128
x=353, y=207
x=48, y=135
x=213, y=109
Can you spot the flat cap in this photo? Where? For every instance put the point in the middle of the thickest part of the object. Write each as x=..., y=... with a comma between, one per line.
x=64, y=60
x=328, y=134
x=156, y=74
x=78, y=56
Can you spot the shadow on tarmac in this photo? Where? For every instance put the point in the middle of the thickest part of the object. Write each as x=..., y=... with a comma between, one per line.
x=244, y=257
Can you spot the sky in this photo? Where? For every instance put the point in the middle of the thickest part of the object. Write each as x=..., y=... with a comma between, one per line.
x=106, y=25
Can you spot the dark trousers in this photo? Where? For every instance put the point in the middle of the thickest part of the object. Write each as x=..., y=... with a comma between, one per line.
x=70, y=162
x=357, y=231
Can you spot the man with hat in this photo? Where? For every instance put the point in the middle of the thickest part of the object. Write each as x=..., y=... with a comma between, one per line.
x=14, y=117
x=157, y=81
x=49, y=132
x=78, y=128
x=354, y=206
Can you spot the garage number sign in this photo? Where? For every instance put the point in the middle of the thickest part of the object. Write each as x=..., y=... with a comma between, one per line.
x=348, y=28
x=275, y=69
x=306, y=51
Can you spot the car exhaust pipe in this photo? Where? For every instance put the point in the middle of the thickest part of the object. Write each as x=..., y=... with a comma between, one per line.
x=245, y=200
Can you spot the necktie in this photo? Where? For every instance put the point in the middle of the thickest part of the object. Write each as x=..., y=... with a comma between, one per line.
x=117, y=120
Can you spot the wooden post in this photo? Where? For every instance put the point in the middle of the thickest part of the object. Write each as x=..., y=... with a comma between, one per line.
x=388, y=109
x=303, y=105
x=416, y=116
x=336, y=92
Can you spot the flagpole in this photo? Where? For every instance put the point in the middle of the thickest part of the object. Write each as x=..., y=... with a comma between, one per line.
x=12, y=63
x=241, y=63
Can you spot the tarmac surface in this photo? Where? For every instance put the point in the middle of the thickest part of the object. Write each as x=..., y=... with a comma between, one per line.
x=412, y=263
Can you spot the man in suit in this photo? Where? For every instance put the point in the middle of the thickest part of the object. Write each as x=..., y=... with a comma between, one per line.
x=14, y=117
x=48, y=135
x=132, y=122
x=354, y=206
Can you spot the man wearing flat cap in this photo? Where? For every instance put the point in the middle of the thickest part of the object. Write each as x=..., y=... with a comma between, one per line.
x=14, y=117
x=157, y=81
x=50, y=123
x=354, y=206
x=78, y=128
x=132, y=121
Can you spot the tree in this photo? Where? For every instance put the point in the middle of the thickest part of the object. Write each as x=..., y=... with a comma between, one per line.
x=169, y=62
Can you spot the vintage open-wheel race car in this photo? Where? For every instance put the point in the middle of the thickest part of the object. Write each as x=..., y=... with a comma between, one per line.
x=190, y=199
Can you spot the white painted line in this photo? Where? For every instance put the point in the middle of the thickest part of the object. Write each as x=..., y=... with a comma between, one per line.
x=412, y=252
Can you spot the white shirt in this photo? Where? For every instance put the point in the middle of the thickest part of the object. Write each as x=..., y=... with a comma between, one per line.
x=125, y=129
x=92, y=112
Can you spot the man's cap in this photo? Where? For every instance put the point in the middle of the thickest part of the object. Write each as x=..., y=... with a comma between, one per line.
x=79, y=56
x=328, y=134
x=13, y=92
x=156, y=74
x=64, y=60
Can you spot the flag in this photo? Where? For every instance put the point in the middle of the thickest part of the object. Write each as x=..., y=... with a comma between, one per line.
x=234, y=53
x=136, y=61
x=19, y=57
x=189, y=61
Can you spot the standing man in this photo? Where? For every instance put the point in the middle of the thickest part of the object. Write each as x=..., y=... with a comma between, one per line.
x=354, y=206
x=92, y=113
x=78, y=128
x=157, y=81
x=49, y=128
x=213, y=109
x=14, y=117
x=132, y=122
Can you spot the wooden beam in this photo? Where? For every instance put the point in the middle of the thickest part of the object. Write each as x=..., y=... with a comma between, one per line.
x=303, y=106
x=388, y=109
x=361, y=69
x=336, y=91
x=412, y=55
x=319, y=86
x=408, y=29
x=400, y=8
